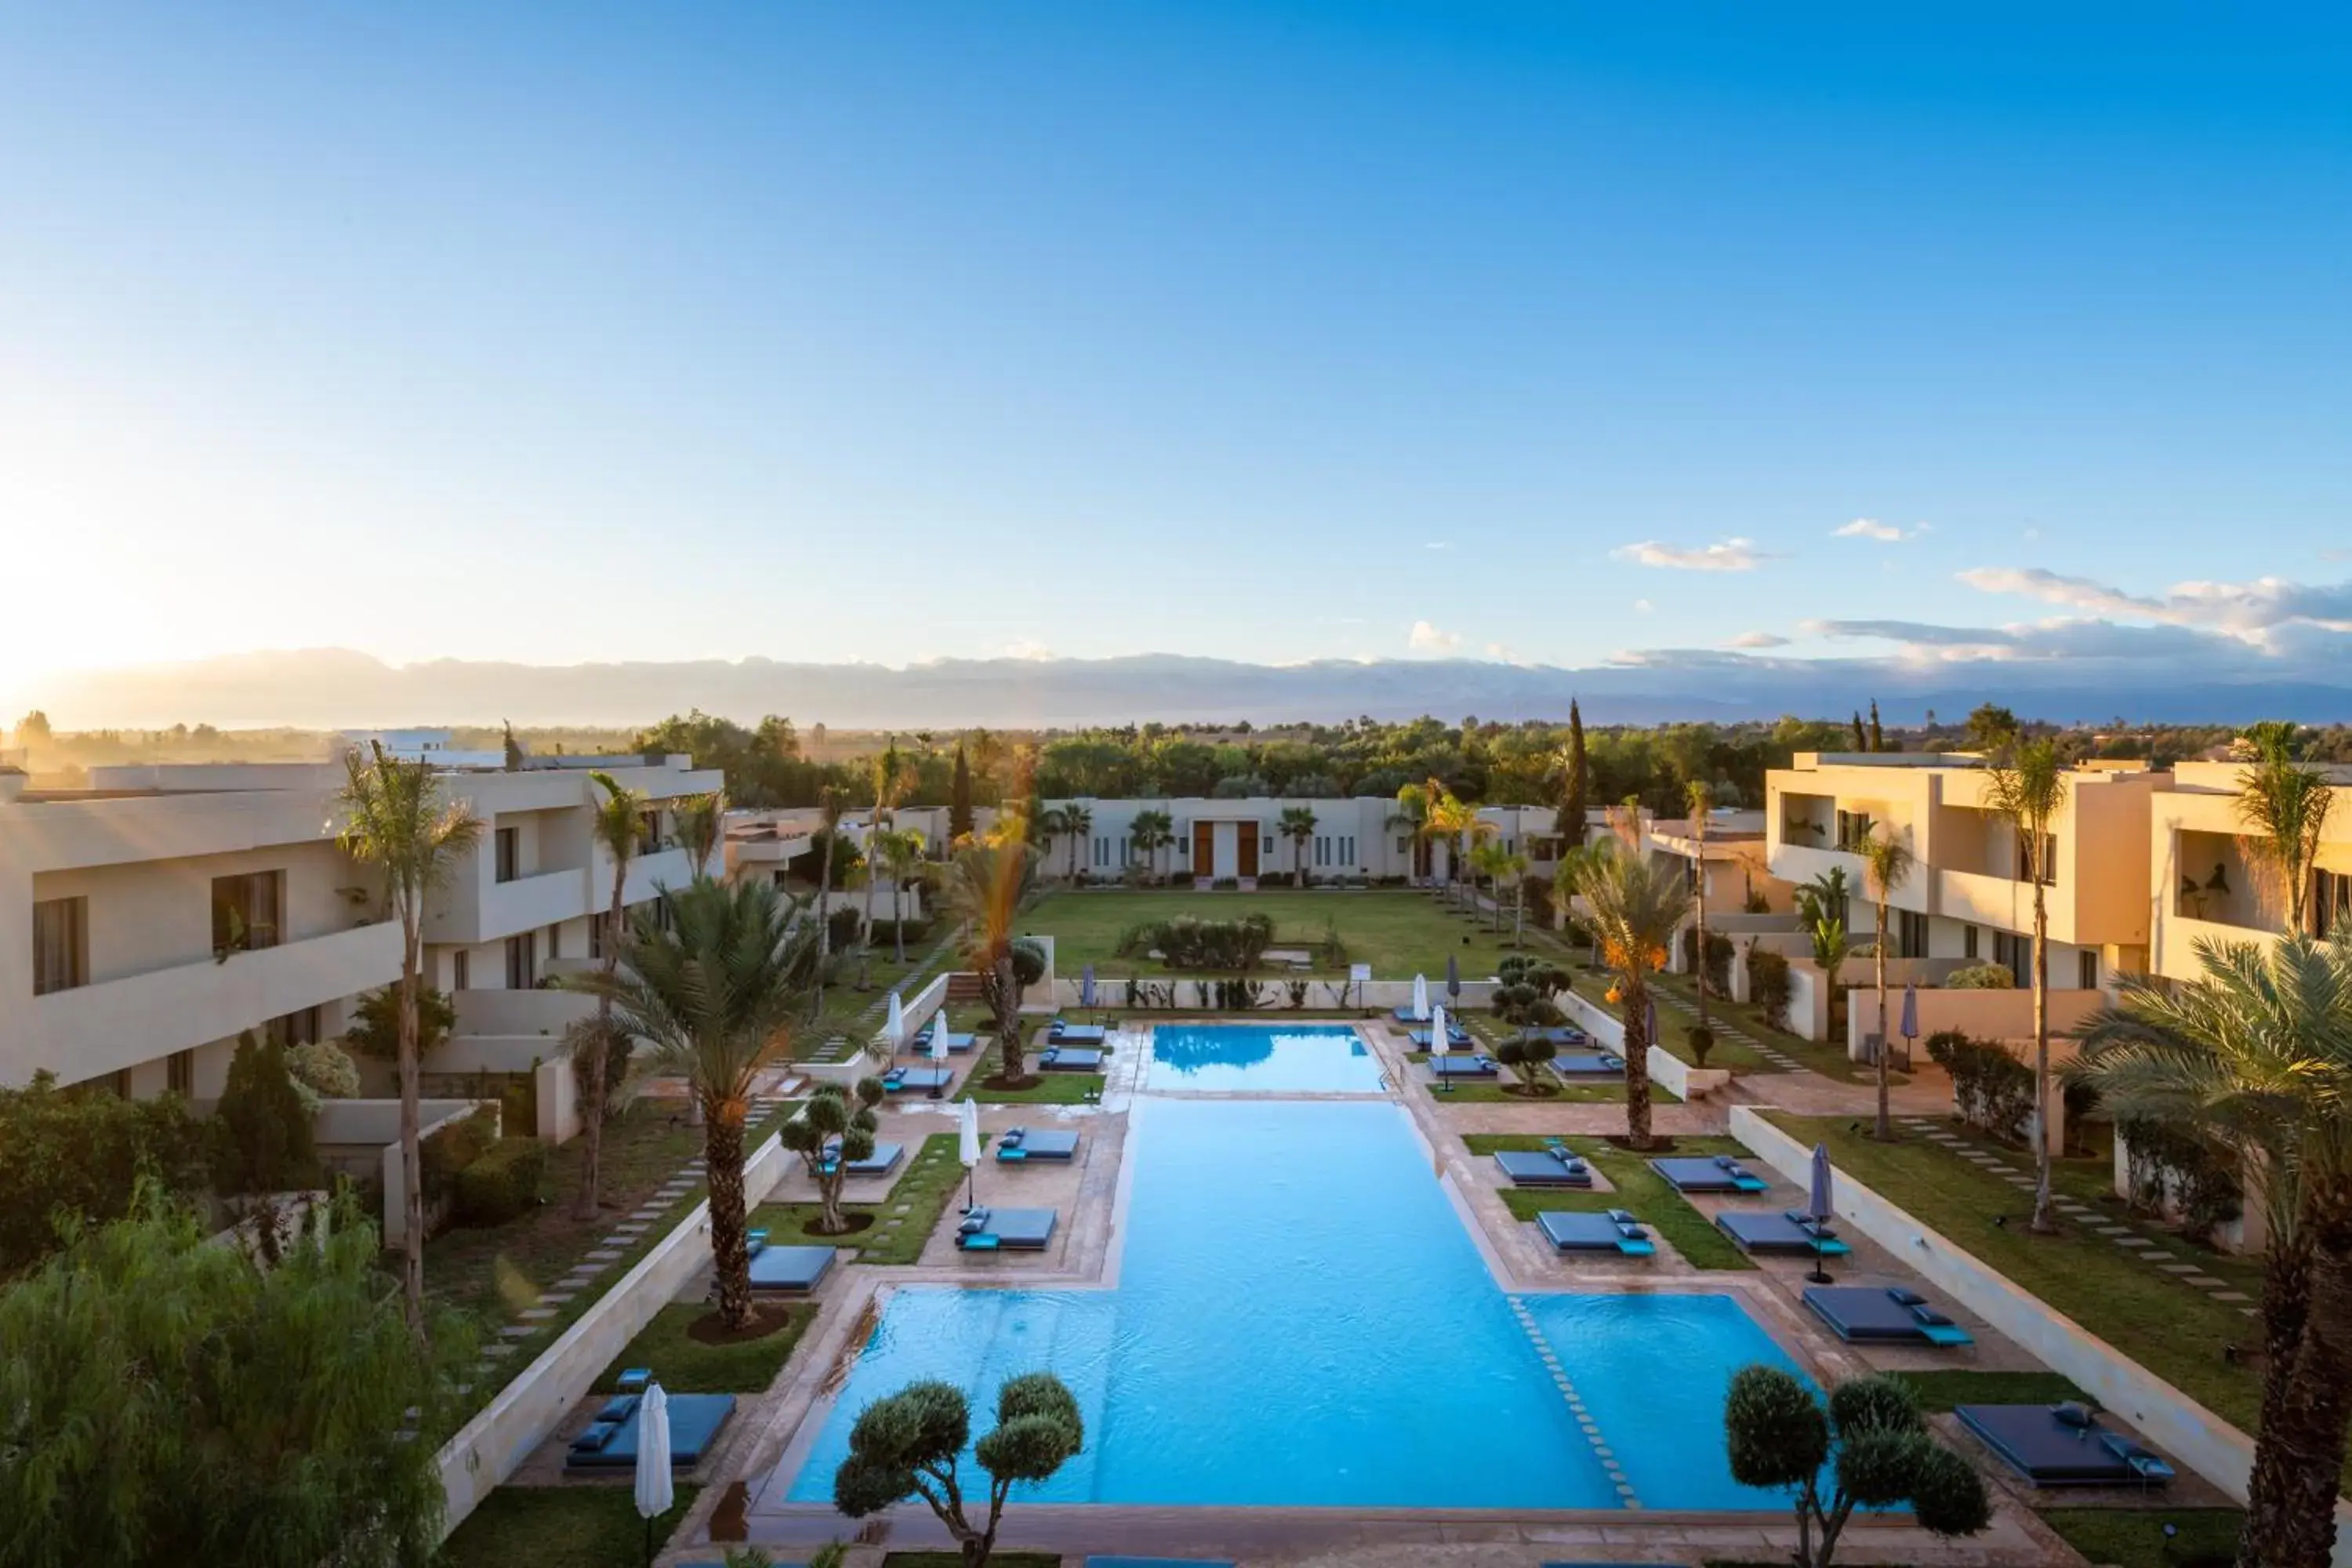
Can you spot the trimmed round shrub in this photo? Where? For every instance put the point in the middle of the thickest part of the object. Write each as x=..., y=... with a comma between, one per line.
x=1980, y=977
x=502, y=1184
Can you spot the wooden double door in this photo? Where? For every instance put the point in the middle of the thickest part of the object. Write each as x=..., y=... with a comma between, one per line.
x=1205, y=849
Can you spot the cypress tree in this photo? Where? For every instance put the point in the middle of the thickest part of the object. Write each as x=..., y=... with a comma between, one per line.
x=1861, y=740
x=960, y=798
x=1877, y=736
x=1576, y=789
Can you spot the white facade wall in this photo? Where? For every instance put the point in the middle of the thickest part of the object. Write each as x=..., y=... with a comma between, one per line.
x=1352, y=839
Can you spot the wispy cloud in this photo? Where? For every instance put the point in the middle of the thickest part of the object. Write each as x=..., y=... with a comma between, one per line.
x=1730, y=555
x=1758, y=639
x=1439, y=544
x=1027, y=647
x=1884, y=532
x=2250, y=611
x=1643, y=605
x=1426, y=637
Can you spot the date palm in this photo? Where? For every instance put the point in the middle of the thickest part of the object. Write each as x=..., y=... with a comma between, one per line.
x=1297, y=825
x=2282, y=804
x=1701, y=799
x=831, y=801
x=2028, y=786
x=716, y=988
x=983, y=888
x=395, y=818
x=1150, y=832
x=1411, y=813
x=901, y=854
x=2254, y=1058
x=1886, y=864
x=891, y=776
x=1634, y=906
x=699, y=820
x=1079, y=823
x=618, y=827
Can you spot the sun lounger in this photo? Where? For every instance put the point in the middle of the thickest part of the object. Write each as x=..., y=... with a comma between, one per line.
x=881, y=1163
x=1544, y=1168
x=610, y=1442
x=1067, y=1058
x=1405, y=1015
x=903, y=1081
x=2063, y=1445
x=1021, y=1144
x=1615, y=1231
x=1588, y=1064
x=1460, y=1039
x=1063, y=1033
x=1561, y=1035
x=1452, y=1066
x=1780, y=1233
x=958, y=1044
x=1862, y=1313
x=1707, y=1174
x=789, y=1270
x=1000, y=1230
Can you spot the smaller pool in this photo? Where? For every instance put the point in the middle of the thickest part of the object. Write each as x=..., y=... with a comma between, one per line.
x=1262, y=1058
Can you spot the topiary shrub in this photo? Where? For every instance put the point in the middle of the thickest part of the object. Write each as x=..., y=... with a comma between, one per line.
x=502, y=1184
x=1526, y=1055
x=1701, y=1040
x=1980, y=977
x=1768, y=985
x=261, y=1129
x=1990, y=1088
x=1716, y=972
x=323, y=1071
x=1028, y=962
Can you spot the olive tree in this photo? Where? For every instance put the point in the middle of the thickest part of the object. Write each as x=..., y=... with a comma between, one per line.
x=827, y=1134
x=1873, y=1443
x=906, y=1446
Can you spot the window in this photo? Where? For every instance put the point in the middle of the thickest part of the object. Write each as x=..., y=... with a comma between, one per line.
x=1968, y=941
x=247, y=911
x=776, y=877
x=461, y=971
x=60, y=944
x=1404, y=845
x=2086, y=970
x=649, y=832
x=522, y=964
x=2014, y=953
x=293, y=1028
x=2331, y=901
x=508, y=849
x=554, y=941
x=1347, y=850
x=2049, y=858
x=180, y=1074
x=1910, y=934
x=1852, y=830
x=1265, y=844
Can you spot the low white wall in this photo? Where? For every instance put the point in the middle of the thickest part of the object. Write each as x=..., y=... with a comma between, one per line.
x=1808, y=1000
x=2006, y=1016
x=432, y=1115
x=2247, y=1236
x=2174, y=1423
x=916, y=1011
x=487, y=1450
x=492, y=1053
x=1666, y=1067
x=540, y=1011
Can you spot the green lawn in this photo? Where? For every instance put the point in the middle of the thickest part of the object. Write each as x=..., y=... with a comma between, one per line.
x=1398, y=931
x=844, y=1004
x=1944, y=1389
x=1051, y=1089
x=932, y=1179
x=683, y=1364
x=577, y=1527
x=2134, y=1537
x=1489, y=1092
x=1640, y=1191
x=2176, y=1331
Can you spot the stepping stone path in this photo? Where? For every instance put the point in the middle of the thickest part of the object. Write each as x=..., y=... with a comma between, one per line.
x=1726, y=1029
x=2138, y=1245
x=867, y=1020
x=1584, y=1422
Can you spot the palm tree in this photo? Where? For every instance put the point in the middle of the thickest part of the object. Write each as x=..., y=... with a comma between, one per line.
x=2282, y=804
x=984, y=887
x=902, y=858
x=1152, y=831
x=716, y=993
x=619, y=828
x=1054, y=823
x=394, y=818
x=699, y=820
x=1411, y=813
x=1576, y=862
x=1701, y=798
x=1634, y=906
x=891, y=777
x=2254, y=1058
x=1831, y=949
x=2028, y=786
x=1078, y=822
x=1297, y=825
x=1885, y=862
x=830, y=801
x=1499, y=865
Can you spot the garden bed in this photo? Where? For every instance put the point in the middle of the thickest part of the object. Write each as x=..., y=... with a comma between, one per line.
x=573, y=1526
x=1638, y=1189
x=932, y=1179
x=691, y=1351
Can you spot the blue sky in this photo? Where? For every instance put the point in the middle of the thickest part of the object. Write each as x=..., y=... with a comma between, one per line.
x=1273, y=332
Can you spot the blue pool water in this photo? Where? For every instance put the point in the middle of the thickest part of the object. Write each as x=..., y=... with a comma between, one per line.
x=1259, y=1058
x=1301, y=1319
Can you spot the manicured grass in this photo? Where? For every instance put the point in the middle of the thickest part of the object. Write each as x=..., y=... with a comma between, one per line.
x=932, y=1179
x=1640, y=1191
x=1398, y=931
x=1474, y=1091
x=2134, y=1537
x=578, y=1526
x=2176, y=1331
x=845, y=1003
x=1051, y=1089
x=684, y=1364
x=1945, y=1390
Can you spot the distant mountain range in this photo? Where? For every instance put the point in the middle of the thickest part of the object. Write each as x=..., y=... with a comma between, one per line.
x=336, y=687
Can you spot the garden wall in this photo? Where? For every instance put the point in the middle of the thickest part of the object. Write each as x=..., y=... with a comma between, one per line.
x=2175, y=1423
x=361, y=1137
x=489, y=1449
x=2005, y=1016
x=1666, y=1067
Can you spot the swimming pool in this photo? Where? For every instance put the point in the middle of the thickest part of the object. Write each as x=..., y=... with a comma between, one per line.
x=1301, y=1320
x=1264, y=1059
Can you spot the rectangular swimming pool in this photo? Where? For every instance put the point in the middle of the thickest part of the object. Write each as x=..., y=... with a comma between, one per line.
x=1261, y=1058
x=1302, y=1319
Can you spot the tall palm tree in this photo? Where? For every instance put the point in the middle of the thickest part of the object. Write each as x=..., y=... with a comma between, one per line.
x=892, y=776
x=1634, y=906
x=1411, y=813
x=1297, y=825
x=1701, y=799
x=1489, y=861
x=699, y=820
x=395, y=818
x=1885, y=863
x=716, y=988
x=984, y=887
x=1150, y=832
x=831, y=800
x=2028, y=786
x=1051, y=824
x=1078, y=822
x=619, y=830
x=1576, y=862
x=902, y=857
x=2254, y=1058
x=2282, y=804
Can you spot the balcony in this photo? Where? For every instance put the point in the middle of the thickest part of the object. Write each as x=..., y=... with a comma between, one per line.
x=115, y=1024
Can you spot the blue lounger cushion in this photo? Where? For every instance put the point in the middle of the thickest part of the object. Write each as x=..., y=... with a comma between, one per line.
x=797, y=1269
x=694, y=1420
x=1861, y=1314
x=1023, y=1144
x=993, y=1229
x=899, y=1081
x=1561, y=1035
x=1706, y=1173
x=1405, y=1015
x=957, y=1044
x=1542, y=1168
x=1078, y=1034
x=881, y=1163
x=1571, y=1231
x=1070, y=1058
x=616, y=1409
x=1588, y=1064
x=1457, y=1039
x=1777, y=1233
x=2050, y=1452
x=1451, y=1066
